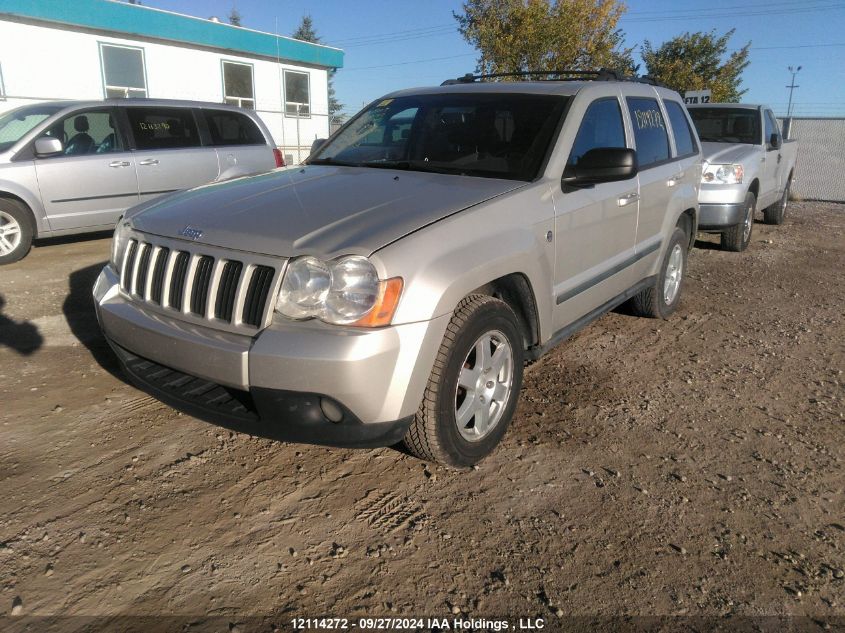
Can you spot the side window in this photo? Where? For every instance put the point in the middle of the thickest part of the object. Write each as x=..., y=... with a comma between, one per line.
x=92, y=132
x=297, y=94
x=231, y=128
x=684, y=138
x=771, y=126
x=163, y=128
x=237, y=85
x=123, y=71
x=601, y=127
x=649, y=131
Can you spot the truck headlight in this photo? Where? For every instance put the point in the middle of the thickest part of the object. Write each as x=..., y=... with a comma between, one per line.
x=346, y=291
x=722, y=174
x=118, y=243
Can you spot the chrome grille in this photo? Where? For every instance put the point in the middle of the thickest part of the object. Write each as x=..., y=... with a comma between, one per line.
x=214, y=287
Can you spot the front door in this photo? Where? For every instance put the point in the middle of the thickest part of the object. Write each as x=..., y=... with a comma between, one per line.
x=594, y=226
x=772, y=167
x=93, y=181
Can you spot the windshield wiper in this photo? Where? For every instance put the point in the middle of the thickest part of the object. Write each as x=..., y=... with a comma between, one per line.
x=412, y=165
x=332, y=161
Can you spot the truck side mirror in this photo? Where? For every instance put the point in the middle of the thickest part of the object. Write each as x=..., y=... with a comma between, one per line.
x=48, y=146
x=602, y=164
x=775, y=141
x=317, y=144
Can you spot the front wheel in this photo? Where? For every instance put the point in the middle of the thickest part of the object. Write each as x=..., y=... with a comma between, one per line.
x=474, y=386
x=15, y=231
x=661, y=299
x=776, y=213
x=737, y=237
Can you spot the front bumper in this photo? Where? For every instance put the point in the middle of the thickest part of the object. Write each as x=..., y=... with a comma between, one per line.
x=272, y=384
x=718, y=217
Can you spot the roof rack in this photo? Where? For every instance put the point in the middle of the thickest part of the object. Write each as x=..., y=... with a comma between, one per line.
x=602, y=74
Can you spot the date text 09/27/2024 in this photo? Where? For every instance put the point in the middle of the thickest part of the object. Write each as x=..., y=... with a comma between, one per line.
x=411, y=624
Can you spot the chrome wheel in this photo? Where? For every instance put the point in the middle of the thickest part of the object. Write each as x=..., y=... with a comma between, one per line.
x=748, y=223
x=484, y=386
x=10, y=233
x=674, y=274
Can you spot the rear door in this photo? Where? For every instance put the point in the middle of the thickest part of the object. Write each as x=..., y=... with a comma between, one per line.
x=93, y=181
x=169, y=154
x=239, y=142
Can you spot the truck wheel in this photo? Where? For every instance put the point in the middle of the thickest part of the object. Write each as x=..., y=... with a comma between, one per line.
x=777, y=212
x=660, y=300
x=474, y=386
x=15, y=231
x=737, y=237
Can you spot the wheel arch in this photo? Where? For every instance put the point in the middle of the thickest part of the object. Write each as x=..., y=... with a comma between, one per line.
x=515, y=290
x=37, y=227
x=754, y=188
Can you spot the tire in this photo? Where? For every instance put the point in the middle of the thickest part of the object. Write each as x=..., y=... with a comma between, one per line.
x=478, y=322
x=737, y=237
x=15, y=231
x=656, y=301
x=776, y=213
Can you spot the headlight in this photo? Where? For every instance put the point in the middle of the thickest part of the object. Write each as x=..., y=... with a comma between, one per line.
x=118, y=243
x=346, y=291
x=722, y=174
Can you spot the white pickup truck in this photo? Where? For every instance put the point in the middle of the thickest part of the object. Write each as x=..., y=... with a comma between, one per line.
x=748, y=166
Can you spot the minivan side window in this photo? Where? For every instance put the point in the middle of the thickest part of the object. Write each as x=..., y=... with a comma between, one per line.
x=231, y=128
x=163, y=128
x=87, y=132
x=649, y=131
x=601, y=127
x=684, y=138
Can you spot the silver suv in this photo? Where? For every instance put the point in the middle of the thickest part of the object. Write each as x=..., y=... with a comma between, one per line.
x=75, y=167
x=394, y=287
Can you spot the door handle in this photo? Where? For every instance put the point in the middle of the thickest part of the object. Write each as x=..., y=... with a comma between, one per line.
x=779, y=157
x=148, y=161
x=624, y=201
x=119, y=163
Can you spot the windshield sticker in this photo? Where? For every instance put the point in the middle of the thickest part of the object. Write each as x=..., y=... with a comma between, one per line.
x=649, y=119
x=384, y=103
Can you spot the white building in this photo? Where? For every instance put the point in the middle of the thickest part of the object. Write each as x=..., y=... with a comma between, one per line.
x=94, y=49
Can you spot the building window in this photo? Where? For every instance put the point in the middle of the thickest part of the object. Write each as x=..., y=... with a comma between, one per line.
x=123, y=71
x=238, y=88
x=297, y=94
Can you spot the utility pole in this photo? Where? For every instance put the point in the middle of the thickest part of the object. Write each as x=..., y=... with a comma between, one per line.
x=792, y=87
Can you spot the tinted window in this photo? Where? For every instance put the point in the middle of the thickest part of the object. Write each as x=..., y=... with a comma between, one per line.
x=649, y=131
x=684, y=138
x=123, y=71
x=601, y=127
x=492, y=135
x=163, y=128
x=87, y=132
x=297, y=94
x=231, y=128
x=237, y=85
x=771, y=126
x=727, y=125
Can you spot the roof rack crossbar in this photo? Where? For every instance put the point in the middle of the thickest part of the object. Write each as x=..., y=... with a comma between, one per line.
x=602, y=74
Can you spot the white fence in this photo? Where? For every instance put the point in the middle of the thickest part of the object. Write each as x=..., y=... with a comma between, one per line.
x=820, y=170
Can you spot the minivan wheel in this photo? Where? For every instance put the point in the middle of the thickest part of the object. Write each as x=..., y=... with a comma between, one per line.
x=776, y=213
x=737, y=237
x=474, y=386
x=15, y=231
x=661, y=299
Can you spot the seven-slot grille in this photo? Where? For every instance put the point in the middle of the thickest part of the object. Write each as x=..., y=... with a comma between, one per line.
x=199, y=285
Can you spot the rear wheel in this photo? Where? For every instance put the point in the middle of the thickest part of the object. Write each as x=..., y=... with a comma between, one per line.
x=661, y=299
x=474, y=386
x=15, y=231
x=776, y=213
x=737, y=237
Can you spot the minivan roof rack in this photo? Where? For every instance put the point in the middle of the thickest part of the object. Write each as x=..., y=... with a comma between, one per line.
x=602, y=74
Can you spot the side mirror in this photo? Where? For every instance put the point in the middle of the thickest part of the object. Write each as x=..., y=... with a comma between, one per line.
x=602, y=164
x=775, y=141
x=48, y=146
x=317, y=144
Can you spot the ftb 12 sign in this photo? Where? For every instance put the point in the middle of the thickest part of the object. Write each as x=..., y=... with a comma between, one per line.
x=692, y=97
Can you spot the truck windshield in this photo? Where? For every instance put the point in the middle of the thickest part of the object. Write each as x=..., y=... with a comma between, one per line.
x=727, y=125
x=16, y=124
x=491, y=135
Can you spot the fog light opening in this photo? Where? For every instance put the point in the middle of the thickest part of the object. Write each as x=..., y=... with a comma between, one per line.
x=331, y=410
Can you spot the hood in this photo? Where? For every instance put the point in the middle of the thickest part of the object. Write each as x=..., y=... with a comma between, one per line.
x=727, y=153
x=318, y=210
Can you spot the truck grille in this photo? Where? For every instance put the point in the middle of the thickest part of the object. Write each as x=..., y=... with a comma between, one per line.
x=205, y=287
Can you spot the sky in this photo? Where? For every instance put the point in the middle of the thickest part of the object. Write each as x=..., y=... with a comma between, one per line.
x=395, y=44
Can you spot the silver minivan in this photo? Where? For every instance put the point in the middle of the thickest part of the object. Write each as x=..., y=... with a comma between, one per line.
x=75, y=167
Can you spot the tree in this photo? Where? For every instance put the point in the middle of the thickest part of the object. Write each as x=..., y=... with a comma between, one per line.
x=694, y=61
x=234, y=17
x=520, y=35
x=307, y=33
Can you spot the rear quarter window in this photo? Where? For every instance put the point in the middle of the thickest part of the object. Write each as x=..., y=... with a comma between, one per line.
x=649, y=131
x=163, y=128
x=684, y=137
x=232, y=128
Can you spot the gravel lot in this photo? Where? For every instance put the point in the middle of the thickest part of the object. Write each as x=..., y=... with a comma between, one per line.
x=687, y=467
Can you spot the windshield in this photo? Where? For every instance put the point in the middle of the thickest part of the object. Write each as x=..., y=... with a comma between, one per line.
x=727, y=125
x=491, y=135
x=14, y=125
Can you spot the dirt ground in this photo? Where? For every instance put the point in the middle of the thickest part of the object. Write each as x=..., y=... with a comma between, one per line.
x=690, y=467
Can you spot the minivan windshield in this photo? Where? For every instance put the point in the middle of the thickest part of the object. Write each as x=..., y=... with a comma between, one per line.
x=727, y=125
x=495, y=135
x=16, y=124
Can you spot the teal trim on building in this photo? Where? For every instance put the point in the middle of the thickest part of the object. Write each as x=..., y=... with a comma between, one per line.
x=129, y=19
